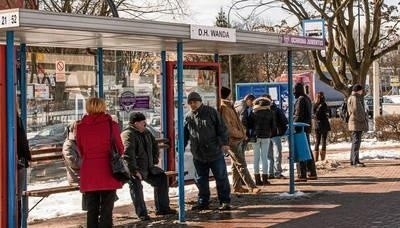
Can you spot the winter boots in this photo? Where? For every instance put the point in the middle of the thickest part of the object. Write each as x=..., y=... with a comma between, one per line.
x=257, y=177
x=323, y=153
x=316, y=155
x=265, y=180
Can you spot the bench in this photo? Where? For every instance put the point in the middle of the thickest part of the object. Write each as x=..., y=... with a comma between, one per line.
x=54, y=154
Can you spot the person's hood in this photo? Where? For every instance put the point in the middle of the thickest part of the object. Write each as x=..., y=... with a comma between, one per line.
x=226, y=102
x=261, y=103
x=95, y=118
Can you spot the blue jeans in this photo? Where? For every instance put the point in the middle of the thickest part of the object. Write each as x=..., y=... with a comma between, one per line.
x=261, y=150
x=277, y=155
x=218, y=168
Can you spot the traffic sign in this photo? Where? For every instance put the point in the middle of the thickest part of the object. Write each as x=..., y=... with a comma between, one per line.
x=60, y=71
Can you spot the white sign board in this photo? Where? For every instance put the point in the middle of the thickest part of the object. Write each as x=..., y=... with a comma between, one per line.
x=60, y=71
x=42, y=91
x=9, y=19
x=198, y=32
x=314, y=28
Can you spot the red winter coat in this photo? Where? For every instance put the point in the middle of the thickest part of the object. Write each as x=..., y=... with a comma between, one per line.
x=93, y=140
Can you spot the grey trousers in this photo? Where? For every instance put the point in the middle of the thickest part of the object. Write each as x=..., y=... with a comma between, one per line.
x=355, y=147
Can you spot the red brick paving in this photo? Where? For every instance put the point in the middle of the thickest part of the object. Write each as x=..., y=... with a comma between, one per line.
x=346, y=197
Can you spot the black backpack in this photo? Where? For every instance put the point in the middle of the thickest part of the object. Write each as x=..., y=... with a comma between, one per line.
x=344, y=114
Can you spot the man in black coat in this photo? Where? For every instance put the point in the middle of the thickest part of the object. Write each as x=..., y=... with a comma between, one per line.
x=142, y=155
x=303, y=114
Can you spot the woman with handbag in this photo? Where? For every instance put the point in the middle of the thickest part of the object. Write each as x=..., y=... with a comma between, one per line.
x=321, y=125
x=93, y=135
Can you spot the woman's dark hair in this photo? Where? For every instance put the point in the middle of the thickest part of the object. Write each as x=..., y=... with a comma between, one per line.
x=320, y=98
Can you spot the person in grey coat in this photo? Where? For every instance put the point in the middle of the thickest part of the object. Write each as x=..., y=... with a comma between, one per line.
x=358, y=122
x=71, y=155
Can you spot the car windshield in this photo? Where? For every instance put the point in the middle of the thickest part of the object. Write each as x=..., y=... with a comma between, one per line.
x=52, y=130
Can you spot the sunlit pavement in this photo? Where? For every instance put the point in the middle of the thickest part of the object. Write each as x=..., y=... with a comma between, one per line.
x=345, y=197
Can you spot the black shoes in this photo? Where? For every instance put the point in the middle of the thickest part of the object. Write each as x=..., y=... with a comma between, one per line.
x=358, y=164
x=144, y=218
x=169, y=211
x=225, y=207
x=200, y=207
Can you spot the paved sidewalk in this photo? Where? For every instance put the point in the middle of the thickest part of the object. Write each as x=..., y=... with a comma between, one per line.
x=345, y=197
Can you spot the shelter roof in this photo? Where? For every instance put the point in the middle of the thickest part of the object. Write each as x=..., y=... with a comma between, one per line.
x=50, y=29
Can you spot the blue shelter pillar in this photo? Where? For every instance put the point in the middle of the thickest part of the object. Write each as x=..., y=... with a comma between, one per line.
x=181, y=149
x=164, y=102
x=291, y=130
x=10, y=100
x=100, y=75
x=22, y=105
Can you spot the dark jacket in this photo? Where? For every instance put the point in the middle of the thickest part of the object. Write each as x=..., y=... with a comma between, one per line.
x=206, y=132
x=264, y=122
x=302, y=111
x=23, y=152
x=140, y=150
x=281, y=121
x=321, y=117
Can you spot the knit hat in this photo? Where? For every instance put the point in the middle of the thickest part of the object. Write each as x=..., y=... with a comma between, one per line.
x=136, y=117
x=249, y=97
x=193, y=96
x=357, y=87
x=225, y=92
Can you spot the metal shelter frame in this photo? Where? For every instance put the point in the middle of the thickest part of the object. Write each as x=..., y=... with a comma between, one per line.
x=49, y=29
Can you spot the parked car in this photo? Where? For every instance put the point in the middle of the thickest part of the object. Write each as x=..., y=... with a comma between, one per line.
x=50, y=136
x=369, y=105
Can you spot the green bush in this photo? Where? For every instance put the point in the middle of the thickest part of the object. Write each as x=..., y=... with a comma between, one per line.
x=387, y=127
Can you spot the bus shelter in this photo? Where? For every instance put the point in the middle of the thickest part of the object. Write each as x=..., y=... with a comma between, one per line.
x=23, y=27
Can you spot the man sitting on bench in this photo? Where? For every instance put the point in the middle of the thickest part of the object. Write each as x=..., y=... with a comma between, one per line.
x=142, y=154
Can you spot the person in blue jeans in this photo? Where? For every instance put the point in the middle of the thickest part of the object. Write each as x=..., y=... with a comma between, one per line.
x=208, y=137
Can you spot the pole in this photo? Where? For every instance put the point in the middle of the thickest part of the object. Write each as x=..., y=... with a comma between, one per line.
x=164, y=103
x=291, y=136
x=10, y=97
x=359, y=32
x=181, y=149
x=377, y=86
x=100, y=72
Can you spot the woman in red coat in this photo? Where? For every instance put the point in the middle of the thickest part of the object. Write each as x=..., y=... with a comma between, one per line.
x=96, y=179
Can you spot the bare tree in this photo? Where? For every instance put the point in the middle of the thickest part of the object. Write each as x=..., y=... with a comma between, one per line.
x=358, y=33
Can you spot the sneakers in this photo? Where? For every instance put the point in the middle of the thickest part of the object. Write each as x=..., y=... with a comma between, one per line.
x=200, y=207
x=169, y=211
x=240, y=190
x=225, y=207
x=312, y=177
x=280, y=177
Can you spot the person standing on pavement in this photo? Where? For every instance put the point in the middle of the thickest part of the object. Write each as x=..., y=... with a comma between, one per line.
x=277, y=133
x=302, y=113
x=208, y=137
x=237, y=144
x=264, y=123
x=142, y=155
x=321, y=125
x=93, y=138
x=358, y=122
x=246, y=116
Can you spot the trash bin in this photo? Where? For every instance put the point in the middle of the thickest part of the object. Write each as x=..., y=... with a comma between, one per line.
x=301, y=148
